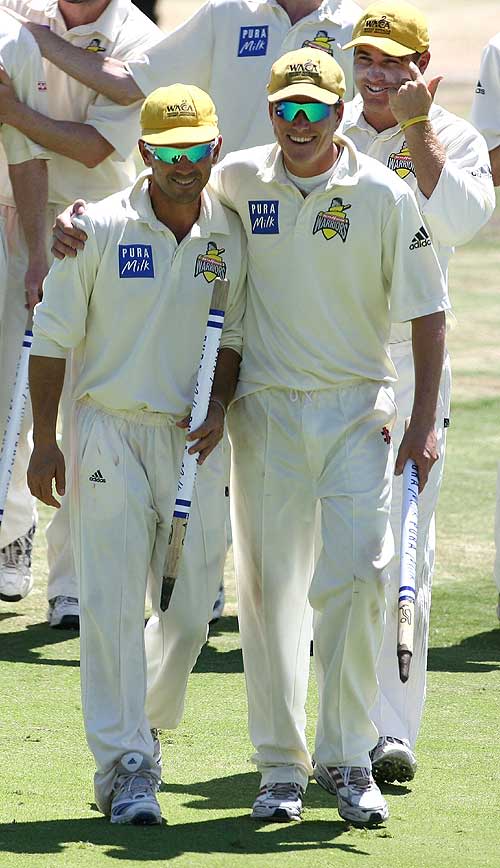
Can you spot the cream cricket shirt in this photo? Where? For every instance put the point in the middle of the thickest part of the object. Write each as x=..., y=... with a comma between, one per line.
x=136, y=303
x=121, y=31
x=228, y=47
x=486, y=104
x=326, y=273
x=22, y=60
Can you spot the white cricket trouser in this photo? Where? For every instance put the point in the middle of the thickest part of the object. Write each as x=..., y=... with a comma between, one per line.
x=290, y=452
x=120, y=530
x=398, y=709
x=496, y=568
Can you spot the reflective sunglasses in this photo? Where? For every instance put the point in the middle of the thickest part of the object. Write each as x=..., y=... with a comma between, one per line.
x=169, y=155
x=314, y=111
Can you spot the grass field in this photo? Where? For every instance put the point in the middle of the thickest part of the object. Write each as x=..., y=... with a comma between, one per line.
x=447, y=818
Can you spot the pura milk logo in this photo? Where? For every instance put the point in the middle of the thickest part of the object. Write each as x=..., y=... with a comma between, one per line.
x=135, y=260
x=253, y=41
x=264, y=216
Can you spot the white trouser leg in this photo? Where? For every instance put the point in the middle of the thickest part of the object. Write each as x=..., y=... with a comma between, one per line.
x=347, y=591
x=398, y=707
x=62, y=579
x=496, y=569
x=272, y=514
x=174, y=638
x=20, y=513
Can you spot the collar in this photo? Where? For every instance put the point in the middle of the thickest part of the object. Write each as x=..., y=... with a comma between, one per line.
x=344, y=172
x=354, y=118
x=212, y=220
x=107, y=25
x=330, y=10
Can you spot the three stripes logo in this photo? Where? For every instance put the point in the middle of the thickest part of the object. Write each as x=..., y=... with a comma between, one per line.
x=420, y=239
x=97, y=477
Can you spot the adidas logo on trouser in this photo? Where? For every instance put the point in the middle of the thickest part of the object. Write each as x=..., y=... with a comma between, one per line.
x=420, y=239
x=97, y=477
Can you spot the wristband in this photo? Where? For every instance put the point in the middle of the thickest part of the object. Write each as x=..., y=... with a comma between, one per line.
x=420, y=119
x=219, y=402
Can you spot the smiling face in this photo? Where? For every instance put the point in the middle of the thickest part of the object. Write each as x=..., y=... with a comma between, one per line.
x=182, y=182
x=376, y=74
x=308, y=149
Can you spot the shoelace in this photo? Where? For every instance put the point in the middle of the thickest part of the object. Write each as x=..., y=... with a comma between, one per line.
x=70, y=601
x=357, y=777
x=133, y=785
x=19, y=551
x=282, y=791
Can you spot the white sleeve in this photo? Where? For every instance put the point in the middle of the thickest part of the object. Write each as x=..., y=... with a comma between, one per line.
x=486, y=102
x=232, y=334
x=28, y=78
x=185, y=55
x=410, y=266
x=118, y=124
x=464, y=197
x=60, y=319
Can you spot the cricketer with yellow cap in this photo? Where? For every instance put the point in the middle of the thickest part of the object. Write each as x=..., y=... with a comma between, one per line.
x=445, y=162
x=310, y=429
x=135, y=303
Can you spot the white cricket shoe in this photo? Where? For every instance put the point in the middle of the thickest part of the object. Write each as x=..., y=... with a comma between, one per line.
x=64, y=613
x=16, y=580
x=393, y=760
x=279, y=803
x=218, y=605
x=134, y=788
x=359, y=799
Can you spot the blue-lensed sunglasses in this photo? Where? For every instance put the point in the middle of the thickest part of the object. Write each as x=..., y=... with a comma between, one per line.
x=314, y=111
x=169, y=155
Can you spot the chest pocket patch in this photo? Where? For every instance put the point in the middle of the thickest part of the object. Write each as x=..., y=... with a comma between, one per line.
x=253, y=41
x=135, y=260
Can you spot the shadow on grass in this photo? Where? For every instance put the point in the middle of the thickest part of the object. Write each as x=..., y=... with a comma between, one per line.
x=21, y=646
x=234, y=834
x=214, y=659
x=479, y=653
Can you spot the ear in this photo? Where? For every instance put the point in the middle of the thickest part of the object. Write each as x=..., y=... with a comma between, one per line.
x=339, y=111
x=423, y=61
x=216, y=151
x=147, y=158
x=270, y=108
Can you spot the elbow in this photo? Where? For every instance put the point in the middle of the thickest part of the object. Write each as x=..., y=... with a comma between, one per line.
x=91, y=161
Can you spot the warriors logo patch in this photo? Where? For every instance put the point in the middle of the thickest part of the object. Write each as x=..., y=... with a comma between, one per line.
x=401, y=163
x=95, y=45
x=333, y=222
x=321, y=41
x=211, y=264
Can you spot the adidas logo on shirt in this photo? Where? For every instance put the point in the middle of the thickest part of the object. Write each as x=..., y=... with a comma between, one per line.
x=97, y=477
x=420, y=239
x=480, y=88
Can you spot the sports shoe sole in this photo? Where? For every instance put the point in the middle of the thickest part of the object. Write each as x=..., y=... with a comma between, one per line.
x=142, y=818
x=279, y=815
x=67, y=622
x=16, y=598
x=393, y=768
x=351, y=815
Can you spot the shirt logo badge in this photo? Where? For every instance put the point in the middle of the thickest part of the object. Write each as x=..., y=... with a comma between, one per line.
x=211, y=263
x=253, y=41
x=334, y=221
x=321, y=41
x=401, y=163
x=41, y=86
x=420, y=239
x=95, y=45
x=264, y=216
x=135, y=260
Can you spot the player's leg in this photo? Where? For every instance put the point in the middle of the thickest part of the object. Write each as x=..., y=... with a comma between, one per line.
x=175, y=637
x=273, y=516
x=17, y=531
x=347, y=591
x=398, y=709
x=113, y=523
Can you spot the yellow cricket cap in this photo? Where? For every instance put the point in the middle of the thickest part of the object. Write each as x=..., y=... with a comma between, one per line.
x=394, y=28
x=178, y=114
x=306, y=72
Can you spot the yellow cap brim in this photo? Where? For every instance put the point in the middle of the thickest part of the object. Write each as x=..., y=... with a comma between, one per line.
x=388, y=46
x=310, y=90
x=181, y=135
